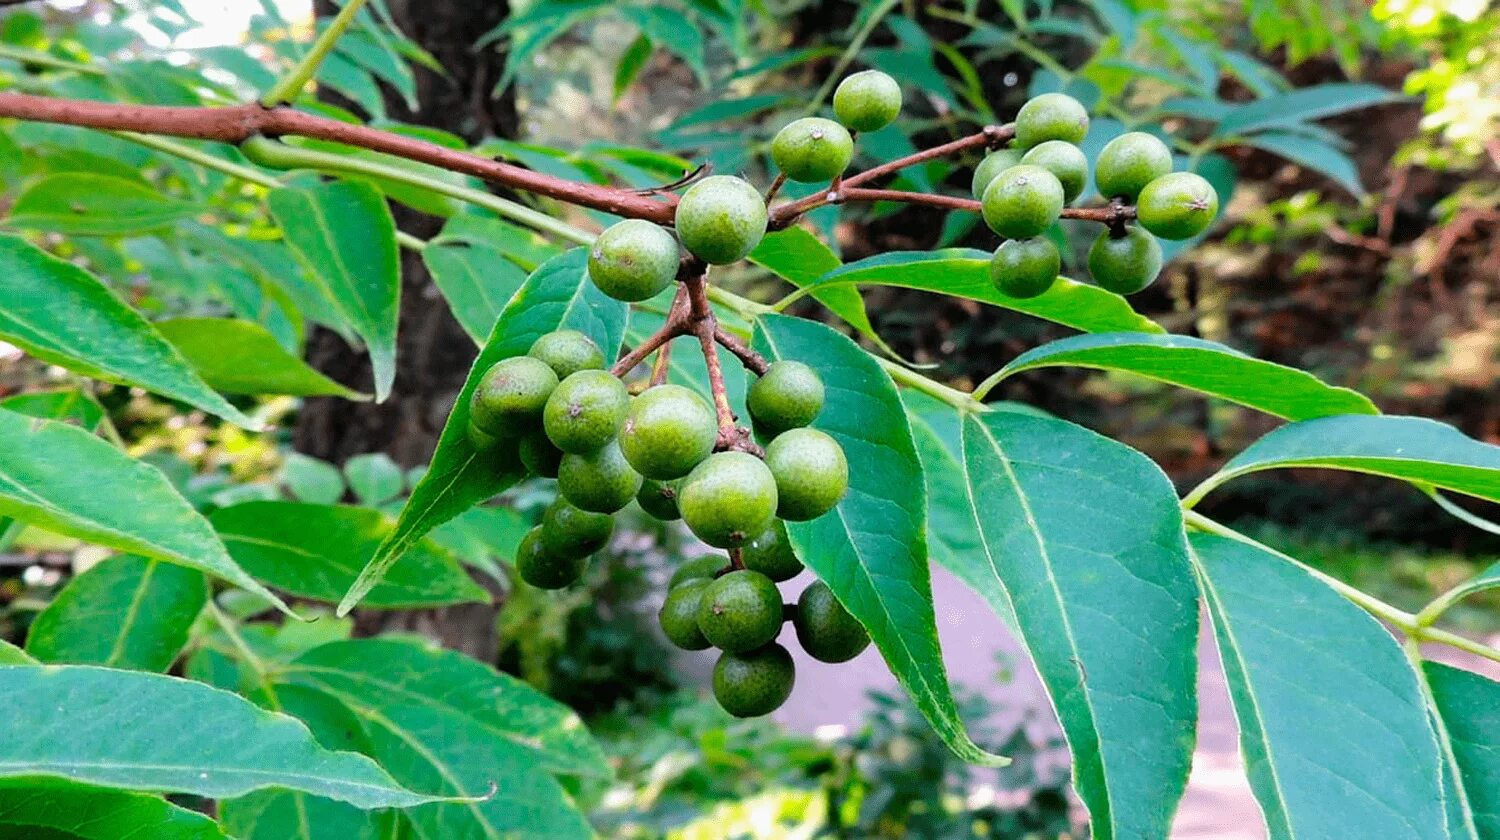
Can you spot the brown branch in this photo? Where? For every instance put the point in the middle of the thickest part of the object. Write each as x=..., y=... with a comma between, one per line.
x=753, y=361
x=704, y=325
x=662, y=366
x=675, y=325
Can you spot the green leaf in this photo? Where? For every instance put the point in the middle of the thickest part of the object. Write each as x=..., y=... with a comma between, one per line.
x=476, y=279
x=343, y=233
x=63, y=315
x=558, y=295
x=84, y=812
x=106, y=727
x=374, y=478
x=1468, y=709
x=1086, y=537
x=312, y=480
x=125, y=612
x=12, y=655
x=1312, y=154
x=51, y=475
x=82, y=204
x=871, y=549
x=1302, y=105
x=630, y=65
x=73, y=405
x=316, y=551
x=240, y=357
x=1332, y=722
x=1201, y=365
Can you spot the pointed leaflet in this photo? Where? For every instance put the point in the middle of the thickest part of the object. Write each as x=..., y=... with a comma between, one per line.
x=83, y=204
x=1087, y=537
x=558, y=295
x=63, y=315
x=84, y=812
x=12, y=655
x=800, y=258
x=1468, y=707
x=871, y=549
x=477, y=281
x=1332, y=721
x=240, y=357
x=343, y=233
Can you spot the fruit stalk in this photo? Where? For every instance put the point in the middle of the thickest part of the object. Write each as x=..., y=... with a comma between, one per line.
x=705, y=325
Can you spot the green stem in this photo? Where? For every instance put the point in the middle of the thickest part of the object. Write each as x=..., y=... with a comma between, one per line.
x=837, y=74
x=984, y=388
x=232, y=631
x=287, y=87
x=42, y=59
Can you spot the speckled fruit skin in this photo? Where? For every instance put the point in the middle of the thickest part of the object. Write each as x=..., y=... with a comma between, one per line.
x=700, y=568
x=812, y=149
x=728, y=499
x=756, y=683
x=740, y=611
x=825, y=629
x=510, y=396
x=585, y=411
x=1022, y=201
x=601, y=482
x=541, y=568
x=1025, y=268
x=659, y=499
x=570, y=531
x=867, y=101
x=1125, y=265
x=1129, y=162
x=567, y=352
x=539, y=456
x=993, y=164
x=1179, y=205
x=679, y=615
x=1064, y=160
x=633, y=260
x=788, y=395
x=1051, y=116
x=721, y=219
x=771, y=554
x=668, y=430
x=811, y=473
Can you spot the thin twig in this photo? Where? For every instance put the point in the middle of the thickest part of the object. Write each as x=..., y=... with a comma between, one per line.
x=676, y=324
x=775, y=187
x=704, y=325
x=662, y=367
x=753, y=361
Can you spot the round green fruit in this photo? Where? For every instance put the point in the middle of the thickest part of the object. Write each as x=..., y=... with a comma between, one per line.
x=1051, y=116
x=668, y=430
x=811, y=473
x=1022, y=201
x=679, y=615
x=993, y=164
x=601, y=481
x=539, y=456
x=543, y=569
x=721, y=219
x=825, y=629
x=479, y=438
x=570, y=531
x=703, y=568
x=788, y=395
x=1129, y=162
x=659, y=499
x=740, y=611
x=1179, y=205
x=756, y=683
x=728, y=499
x=867, y=101
x=510, y=396
x=585, y=411
x=1064, y=160
x=567, y=352
x=771, y=554
x=1127, y=264
x=812, y=149
x=1025, y=268
x=633, y=260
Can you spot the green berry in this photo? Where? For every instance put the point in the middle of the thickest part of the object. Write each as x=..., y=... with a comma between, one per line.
x=1127, y=264
x=788, y=395
x=867, y=101
x=771, y=554
x=728, y=499
x=756, y=683
x=703, y=568
x=567, y=352
x=633, y=260
x=740, y=611
x=1179, y=205
x=668, y=430
x=993, y=164
x=539, y=456
x=585, y=411
x=479, y=438
x=570, y=531
x=812, y=149
x=721, y=219
x=601, y=481
x=543, y=569
x=679, y=615
x=1022, y=201
x=1025, y=268
x=1129, y=162
x=1051, y=116
x=1064, y=160
x=825, y=629
x=659, y=499
x=510, y=396
x=811, y=473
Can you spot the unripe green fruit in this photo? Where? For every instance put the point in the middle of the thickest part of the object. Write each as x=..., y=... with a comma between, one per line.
x=788, y=395
x=703, y=568
x=1025, y=268
x=993, y=164
x=1051, y=116
x=543, y=569
x=633, y=260
x=867, y=101
x=659, y=499
x=679, y=615
x=771, y=554
x=812, y=149
x=567, y=352
x=1064, y=160
x=601, y=481
x=1179, y=205
x=756, y=683
x=721, y=219
x=825, y=629
x=539, y=456
x=585, y=411
x=479, y=438
x=728, y=499
x=510, y=396
x=740, y=611
x=1022, y=201
x=811, y=473
x=668, y=430
x=1129, y=162
x=1127, y=264
x=570, y=531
